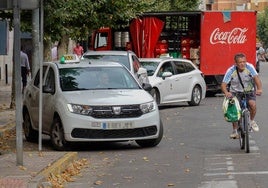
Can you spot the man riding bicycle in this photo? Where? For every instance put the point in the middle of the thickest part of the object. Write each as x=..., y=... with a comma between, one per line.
x=249, y=82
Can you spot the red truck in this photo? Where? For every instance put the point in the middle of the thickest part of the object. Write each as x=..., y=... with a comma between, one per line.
x=209, y=38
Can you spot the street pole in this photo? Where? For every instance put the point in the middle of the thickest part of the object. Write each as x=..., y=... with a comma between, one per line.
x=18, y=91
x=41, y=16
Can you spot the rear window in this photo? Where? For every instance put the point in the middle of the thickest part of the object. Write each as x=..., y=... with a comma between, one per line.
x=122, y=59
x=150, y=66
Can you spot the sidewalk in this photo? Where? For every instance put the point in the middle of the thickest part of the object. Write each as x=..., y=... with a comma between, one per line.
x=37, y=166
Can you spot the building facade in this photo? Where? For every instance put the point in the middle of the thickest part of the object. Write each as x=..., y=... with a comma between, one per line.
x=220, y=5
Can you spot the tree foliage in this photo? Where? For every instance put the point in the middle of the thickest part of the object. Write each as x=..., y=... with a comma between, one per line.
x=78, y=18
x=262, y=27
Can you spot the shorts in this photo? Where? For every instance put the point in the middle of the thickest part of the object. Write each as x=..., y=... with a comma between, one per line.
x=249, y=96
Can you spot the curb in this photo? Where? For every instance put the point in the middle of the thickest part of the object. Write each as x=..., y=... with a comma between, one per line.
x=56, y=168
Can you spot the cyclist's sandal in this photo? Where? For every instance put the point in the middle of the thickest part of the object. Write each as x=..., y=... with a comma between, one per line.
x=234, y=135
x=254, y=126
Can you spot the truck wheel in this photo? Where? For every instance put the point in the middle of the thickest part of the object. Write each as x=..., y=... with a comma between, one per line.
x=156, y=95
x=57, y=135
x=196, y=96
x=152, y=142
x=31, y=135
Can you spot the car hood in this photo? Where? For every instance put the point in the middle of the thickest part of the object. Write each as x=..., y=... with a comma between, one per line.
x=108, y=97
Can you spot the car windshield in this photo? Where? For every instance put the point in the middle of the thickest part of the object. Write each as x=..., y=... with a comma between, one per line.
x=93, y=78
x=122, y=59
x=150, y=66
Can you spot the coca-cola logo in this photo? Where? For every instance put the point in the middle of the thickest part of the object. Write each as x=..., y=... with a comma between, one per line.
x=235, y=36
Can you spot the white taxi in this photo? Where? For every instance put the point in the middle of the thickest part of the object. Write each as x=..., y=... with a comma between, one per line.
x=91, y=102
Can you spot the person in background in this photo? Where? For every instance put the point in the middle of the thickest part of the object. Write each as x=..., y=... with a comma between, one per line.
x=260, y=57
x=78, y=50
x=25, y=68
x=250, y=84
x=54, y=52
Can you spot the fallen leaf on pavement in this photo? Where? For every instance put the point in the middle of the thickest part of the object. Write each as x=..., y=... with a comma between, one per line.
x=187, y=170
x=73, y=169
x=22, y=168
x=145, y=159
x=98, y=182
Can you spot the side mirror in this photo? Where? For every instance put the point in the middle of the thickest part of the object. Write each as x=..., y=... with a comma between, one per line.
x=147, y=87
x=166, y=74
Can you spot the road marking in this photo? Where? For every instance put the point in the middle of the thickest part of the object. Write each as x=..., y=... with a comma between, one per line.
x=236, y=154
x=219, y=184
x=237, y=173
x=215, y=169
x=254, y=148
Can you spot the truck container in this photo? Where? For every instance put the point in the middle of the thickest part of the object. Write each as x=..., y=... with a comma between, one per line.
x=209, y=38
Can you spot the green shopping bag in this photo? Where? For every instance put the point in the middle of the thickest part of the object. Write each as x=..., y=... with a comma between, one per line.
x=231, y=109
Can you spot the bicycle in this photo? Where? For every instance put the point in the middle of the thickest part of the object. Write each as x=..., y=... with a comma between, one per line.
x=243, y=124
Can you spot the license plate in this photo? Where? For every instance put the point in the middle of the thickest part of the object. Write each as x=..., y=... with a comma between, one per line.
x=116, y=125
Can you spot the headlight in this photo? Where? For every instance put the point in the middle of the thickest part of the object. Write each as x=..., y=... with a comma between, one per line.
x=147, y=107
x=80, y=109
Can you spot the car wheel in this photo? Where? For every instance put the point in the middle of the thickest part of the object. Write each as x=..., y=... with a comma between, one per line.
x=31, y=135
x=196, y=96
x=156, y=95
x=57, y=135
x=152, y=142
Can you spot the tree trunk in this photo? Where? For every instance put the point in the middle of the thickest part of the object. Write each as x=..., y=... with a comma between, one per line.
x=47, y=51
x=63, y=46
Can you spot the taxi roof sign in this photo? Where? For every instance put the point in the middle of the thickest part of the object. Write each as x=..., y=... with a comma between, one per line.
x=69, y=59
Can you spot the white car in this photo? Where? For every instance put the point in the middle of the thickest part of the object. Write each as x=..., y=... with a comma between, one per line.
x=126, y=58
x=91, y=102
x=175, y=80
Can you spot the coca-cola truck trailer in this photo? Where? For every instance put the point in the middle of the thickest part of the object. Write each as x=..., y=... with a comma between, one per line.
x=209, y=38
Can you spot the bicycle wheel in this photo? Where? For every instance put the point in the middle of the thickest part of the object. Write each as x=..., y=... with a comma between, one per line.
x=246, y=127
x=241, y=135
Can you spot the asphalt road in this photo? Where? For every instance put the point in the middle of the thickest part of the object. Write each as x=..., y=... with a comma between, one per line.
x=195, y=152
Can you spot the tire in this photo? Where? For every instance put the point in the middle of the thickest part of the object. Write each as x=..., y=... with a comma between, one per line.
x=246, y=123
x=152, y=142
x=156, y=95
x=31, y=135
x=57, y=135
x=196, y=96
x=241, y=136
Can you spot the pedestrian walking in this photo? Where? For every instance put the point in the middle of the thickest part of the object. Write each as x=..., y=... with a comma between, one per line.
x=25, y=68
x=78, y=50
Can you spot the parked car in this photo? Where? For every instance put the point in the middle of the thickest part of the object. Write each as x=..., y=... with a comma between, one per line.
x=91, y=102
x=175, y=80
x=126, y=58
